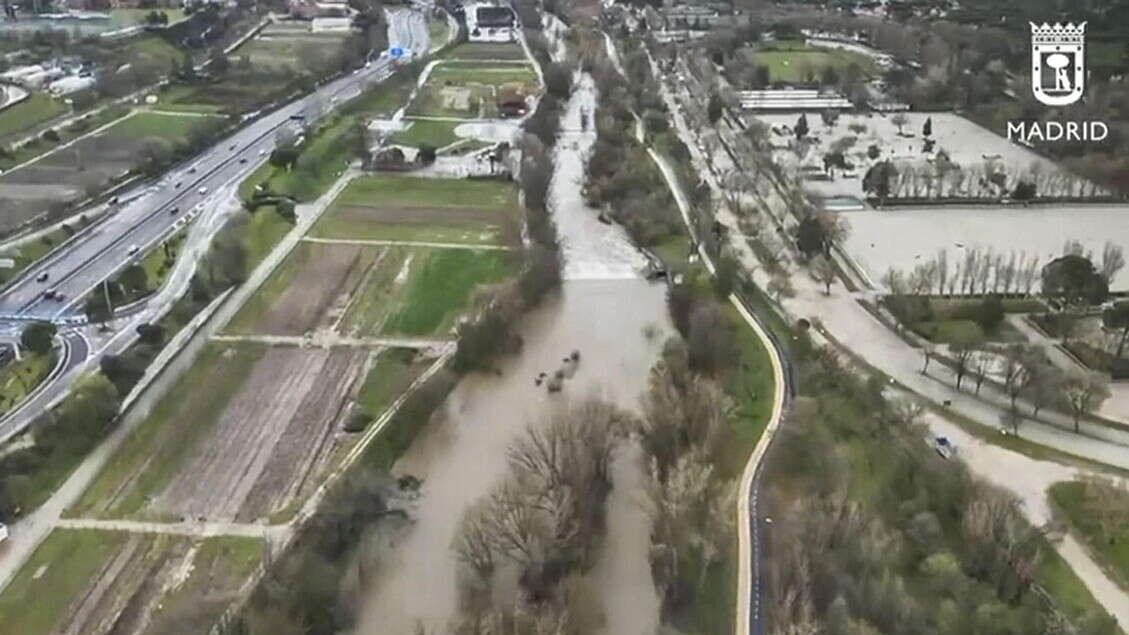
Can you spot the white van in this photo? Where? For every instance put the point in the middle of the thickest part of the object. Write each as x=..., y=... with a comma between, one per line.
x=3, y=532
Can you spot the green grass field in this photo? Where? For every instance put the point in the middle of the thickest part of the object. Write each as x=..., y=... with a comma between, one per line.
x=18, y=378
x=393, y=371
x=148, y=124
x=438, y=288
x=1100, y=515
x=485, y=51
x=156, y=448
x=59, y=569
x=19, y=119
x=750, y=383
x=796, y=62
x=402, y=208
x=437, y=134
x=495, y=74
x=407, y=190
x=438, y=32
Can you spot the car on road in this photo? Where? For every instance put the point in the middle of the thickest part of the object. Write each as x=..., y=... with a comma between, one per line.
x=133, y=249
x=202, y=191
x=176, y=186
x=3, y=533
x=232, y=146
x=242, y=159
x=42, y=277
x=192, y=170
x=52, y=294
x=174, y=210
x=944, y=447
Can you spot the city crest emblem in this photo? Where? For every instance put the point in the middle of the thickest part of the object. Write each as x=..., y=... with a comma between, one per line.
x=1058, y=71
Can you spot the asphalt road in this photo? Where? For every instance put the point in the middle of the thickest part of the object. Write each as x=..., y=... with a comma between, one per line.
x=146, y=218
x=155, y=208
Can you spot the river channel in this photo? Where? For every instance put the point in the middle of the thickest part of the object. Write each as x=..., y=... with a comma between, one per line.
x=618, y=322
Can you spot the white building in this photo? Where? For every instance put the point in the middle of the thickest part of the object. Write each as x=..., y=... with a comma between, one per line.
x=70, y=84
x=491, y=23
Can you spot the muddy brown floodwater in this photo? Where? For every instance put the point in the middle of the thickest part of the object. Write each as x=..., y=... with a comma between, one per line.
x=618, y=322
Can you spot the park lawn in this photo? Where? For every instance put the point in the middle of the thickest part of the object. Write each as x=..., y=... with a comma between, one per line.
x=395, y=369
x=459, y=73
x=750, y=383
x=173, y=128
x=156, y=50
x=408, y=190
x=413, y=209
x=149, y=457
x=437, y=134
x=792, y=61
x=158, y=262
x=1078, y=501
x=421, y=291
x=326, y=158
x=19, y=119
x=184, y=98
x=951, y=331
x=1069, y=592
x=387, y=97
x=263, y=234
x=18, y=378
x=436, y=293
x=485, y=51
x=59, y=569
x=261, y=175
x=438, y=32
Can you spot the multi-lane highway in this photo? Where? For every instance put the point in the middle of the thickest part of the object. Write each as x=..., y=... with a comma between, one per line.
x=152, y=211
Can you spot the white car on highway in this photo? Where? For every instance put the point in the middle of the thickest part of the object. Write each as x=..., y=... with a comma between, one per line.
x=202, y=191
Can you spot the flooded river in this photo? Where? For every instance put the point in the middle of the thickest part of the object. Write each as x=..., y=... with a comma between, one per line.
x=618, y=322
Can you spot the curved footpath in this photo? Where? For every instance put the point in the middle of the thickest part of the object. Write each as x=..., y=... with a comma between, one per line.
x=749, y=618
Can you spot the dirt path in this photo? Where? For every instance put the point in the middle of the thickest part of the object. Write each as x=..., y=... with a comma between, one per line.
x=407, y=243
x=329, y=339
x=202, y=529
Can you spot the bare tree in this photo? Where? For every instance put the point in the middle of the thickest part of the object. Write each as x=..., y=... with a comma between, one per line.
x=1113, y=260
x=1084, y=392
x=824, y=271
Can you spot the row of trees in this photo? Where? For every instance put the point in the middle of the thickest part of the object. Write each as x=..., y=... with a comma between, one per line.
x=1025, y=374
x=943, y=178
x=1072, y=279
